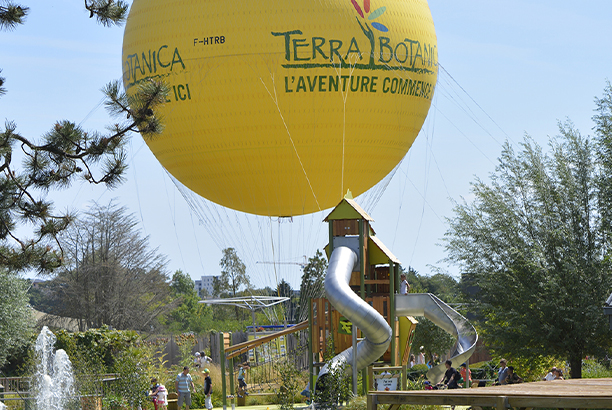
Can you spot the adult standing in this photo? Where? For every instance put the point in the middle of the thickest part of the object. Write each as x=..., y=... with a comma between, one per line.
x=184, y=385
x=502, y=373
x=404, y=285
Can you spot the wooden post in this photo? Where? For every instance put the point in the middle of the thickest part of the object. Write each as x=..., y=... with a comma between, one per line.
x=362, y=270
x=331, y=237
x=392, y=311
x=222, y=362
x=362, y=261
x=231, y=373
x=310, y=350
x=404, y=377
x=371, y=402
x=501, y=402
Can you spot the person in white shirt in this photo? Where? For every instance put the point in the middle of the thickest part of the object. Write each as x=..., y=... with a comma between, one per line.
x=162, y=397
x=551, y=375
x=404, y=286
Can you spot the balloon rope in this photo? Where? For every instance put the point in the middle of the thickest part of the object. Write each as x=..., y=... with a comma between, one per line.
x=275, y=100
x=273, y=254
x=344, y=97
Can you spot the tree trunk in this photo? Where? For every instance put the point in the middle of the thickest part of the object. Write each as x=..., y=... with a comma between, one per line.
x=576, y=367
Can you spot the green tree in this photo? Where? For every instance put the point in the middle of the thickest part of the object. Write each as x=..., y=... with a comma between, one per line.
x=283, y=289
x=312, y=285
x=442, y=285
x=182, y=284
x=111, y=276
x=16, y=319
x=233, y=273
x=65, y=153
x=433, y=338
x=534, y=242
x=189, y=315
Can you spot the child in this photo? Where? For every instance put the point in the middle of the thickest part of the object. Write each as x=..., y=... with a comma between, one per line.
x=162, y=397
x=207, y=389
x=153, y=393
x=242, y=386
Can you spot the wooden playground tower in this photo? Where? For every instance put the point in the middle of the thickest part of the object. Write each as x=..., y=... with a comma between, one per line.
x=375, y=281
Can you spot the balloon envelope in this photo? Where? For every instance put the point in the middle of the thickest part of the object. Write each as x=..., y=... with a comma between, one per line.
x=277, y=107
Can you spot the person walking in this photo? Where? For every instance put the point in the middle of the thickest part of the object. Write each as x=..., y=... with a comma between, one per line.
x=207, y=389
x=184, y=386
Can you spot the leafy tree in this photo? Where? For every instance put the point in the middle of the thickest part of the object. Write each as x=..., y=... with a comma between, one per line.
x=65, y=153
x=182, y=284
x=312, y=285
x=442, y=285
x=536, y=242
x=233, y=273
x=111, y=276
x=189, y=315
x=16, y=320
x=283, y=289
x=233, y=278
x=433, y=338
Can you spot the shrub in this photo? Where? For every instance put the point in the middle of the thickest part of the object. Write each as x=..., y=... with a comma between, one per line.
x=593, y=369
x=416, y=372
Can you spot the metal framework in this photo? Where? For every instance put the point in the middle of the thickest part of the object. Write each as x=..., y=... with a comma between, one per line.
x=251, y=303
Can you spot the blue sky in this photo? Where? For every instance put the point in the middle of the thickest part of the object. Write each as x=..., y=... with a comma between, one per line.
x=508, y=68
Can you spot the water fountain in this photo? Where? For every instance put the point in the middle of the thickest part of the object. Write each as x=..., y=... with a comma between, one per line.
x=54, y=380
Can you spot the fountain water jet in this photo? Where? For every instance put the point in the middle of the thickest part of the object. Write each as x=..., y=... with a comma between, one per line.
x=54, y=380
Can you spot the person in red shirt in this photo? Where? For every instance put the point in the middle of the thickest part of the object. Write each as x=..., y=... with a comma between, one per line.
x=463, y=370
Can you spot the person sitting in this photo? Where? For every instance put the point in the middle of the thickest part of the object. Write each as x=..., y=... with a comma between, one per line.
x=451, y=376
x=559, y=374
x=551, y=374
x=513, y=378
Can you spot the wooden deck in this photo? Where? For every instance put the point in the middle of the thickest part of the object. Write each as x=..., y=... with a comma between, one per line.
x=573, y=393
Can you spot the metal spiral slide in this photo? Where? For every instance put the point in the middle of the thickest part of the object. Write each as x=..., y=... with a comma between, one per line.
x=430, y=306
x=375, y=328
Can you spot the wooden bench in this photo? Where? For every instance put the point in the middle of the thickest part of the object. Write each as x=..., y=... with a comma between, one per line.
x=172, y=401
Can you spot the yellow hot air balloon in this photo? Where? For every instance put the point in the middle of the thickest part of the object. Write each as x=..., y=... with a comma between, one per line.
x=277, y=107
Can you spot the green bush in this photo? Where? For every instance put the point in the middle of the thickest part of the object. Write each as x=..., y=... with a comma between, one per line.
x=291, y=384
x=101, y=344
x=593, y=369
x=416, y=372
